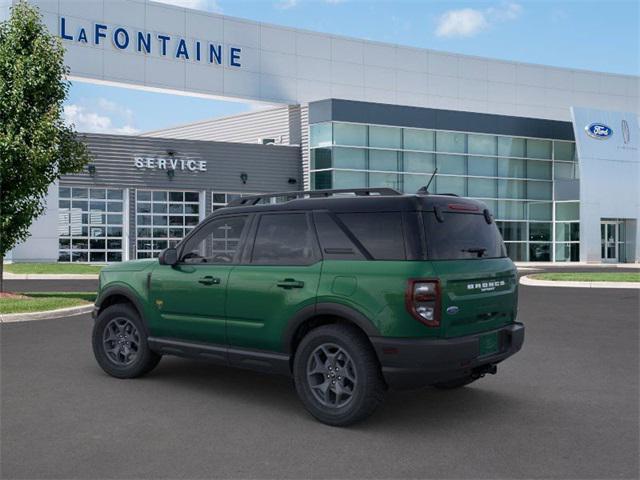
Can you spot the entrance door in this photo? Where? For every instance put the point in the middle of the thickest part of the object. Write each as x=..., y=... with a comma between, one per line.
x=609, y=241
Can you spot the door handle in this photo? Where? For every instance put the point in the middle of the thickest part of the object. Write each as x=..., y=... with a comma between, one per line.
x=288, y=283
x=209, y=280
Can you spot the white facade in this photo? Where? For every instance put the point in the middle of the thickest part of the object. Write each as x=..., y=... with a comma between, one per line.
x=286, y=65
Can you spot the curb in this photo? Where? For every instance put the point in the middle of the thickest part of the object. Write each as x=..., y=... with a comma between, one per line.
x=526, y=280
x=49, y=314
x=48, y=276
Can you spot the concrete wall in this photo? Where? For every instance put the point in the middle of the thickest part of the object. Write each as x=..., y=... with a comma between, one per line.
x=292, y=66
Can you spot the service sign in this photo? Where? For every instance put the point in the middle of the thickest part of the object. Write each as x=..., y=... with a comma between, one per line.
x=171, y=163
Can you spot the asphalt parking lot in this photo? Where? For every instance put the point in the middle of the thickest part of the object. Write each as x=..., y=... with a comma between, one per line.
x=564, y=407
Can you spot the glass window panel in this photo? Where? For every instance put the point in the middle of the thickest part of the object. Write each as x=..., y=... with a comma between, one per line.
x=114, y=206
x=176, y=232
x=64, y=203
x=160, y=220
x=114, y=194
x=540, y=170
x=511, y=167
x=413, y=183
x=191, y=197
x=97, y=232
x=144, y=220
x=176, y=196
x=80, y=243
x=342, y=179
x=159, y=244
x=350, y=158
x=385, y=137
x=79, y=193
x=176, y=208
x=64, y=192
x=511, y=189
x=79, y=256
x=492, y=205
x=483, y=144
x=419, y=162
x=383, y=160
x=283, y=240
x=454, y=164
x=419, y=139
x=64, y=243
x=97, y=193
x=564, y=150
x=455, y=185
x=114, y=231
x=96, y=217
x=483, y=187
x=511, y=147
x=114, y=256
x=64, y=256
x=97, y=206
x=567, y=232
x=539, y=210
x=143, y=207
x=159, y=208
x=143, y=196
x=191, y=208
x=389, y=180
x=538, y=148
x=539, y=190
x=539, y=252
x=451, y=142
x=350, y=134
x=82, y=205
x=176, y=220
x=159, y=196
x=144, y=232
x=565, y=171
x=513, y=231
x=567, y=252
x=219, y=198
x=539, y=232
x=567, y=211
x=97, y=244
x=97, y=256
x=483, y=166
x=191, y=220
x=517, y=251
x=322, y=180
x=320, y=134
x=511, y=210
x=320, y=158
x=159, y=232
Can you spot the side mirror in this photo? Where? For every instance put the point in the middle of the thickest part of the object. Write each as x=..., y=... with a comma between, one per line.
x=168, y=256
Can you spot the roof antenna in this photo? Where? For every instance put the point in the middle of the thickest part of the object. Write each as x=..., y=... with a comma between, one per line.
x=425, y=190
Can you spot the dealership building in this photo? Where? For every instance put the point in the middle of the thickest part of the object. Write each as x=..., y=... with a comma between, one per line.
x=553, y=152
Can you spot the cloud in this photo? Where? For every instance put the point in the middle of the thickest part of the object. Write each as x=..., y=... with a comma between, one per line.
x=286, y=4
x=467, y=22
x=109, y=117
x=207, y=5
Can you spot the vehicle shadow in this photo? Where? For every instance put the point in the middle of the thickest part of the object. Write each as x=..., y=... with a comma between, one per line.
x=415, y=409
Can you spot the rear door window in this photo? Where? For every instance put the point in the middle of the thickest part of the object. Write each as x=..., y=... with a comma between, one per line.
x=462, y=236
x=284, y=239
x=381, y=234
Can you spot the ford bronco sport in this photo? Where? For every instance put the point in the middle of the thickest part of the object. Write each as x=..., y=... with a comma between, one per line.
x=350, y=293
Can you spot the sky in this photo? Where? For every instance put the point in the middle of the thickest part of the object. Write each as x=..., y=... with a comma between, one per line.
x=601, y=35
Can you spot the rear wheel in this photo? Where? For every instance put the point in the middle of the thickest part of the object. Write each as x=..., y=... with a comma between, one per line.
x=457, y=383
x=337, y=375
x=120, y=344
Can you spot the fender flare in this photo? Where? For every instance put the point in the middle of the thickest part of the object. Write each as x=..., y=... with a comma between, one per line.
x=326, y=308
x=129, y=295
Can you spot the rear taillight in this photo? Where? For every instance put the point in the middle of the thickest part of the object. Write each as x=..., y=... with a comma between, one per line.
x=423, y=301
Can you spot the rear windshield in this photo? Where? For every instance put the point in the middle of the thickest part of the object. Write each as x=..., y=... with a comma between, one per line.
x=462, y=236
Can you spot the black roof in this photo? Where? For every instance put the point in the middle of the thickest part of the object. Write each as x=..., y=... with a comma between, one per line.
x=358, y=200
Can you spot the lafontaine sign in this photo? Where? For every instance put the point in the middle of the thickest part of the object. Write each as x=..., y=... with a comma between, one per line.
x=160, y=44
x=172, y=163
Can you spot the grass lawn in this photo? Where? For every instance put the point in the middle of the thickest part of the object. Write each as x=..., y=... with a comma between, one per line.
x=41, y=301
x=51, y=268
x=589, y=276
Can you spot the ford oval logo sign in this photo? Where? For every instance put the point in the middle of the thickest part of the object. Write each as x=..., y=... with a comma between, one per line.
x=599, y=131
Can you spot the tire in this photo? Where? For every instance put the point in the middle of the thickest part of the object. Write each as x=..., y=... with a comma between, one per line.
x=457, y=383
x=119, y=326
x=343, y=355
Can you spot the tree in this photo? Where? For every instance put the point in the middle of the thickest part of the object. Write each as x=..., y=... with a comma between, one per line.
x=36, y=147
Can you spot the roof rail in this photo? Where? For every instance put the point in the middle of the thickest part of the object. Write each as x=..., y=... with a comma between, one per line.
x=359, y=192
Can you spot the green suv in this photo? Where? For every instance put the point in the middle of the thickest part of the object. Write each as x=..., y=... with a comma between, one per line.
x=349, y=292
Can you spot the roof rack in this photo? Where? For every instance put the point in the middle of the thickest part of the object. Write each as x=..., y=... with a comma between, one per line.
x=359, y=192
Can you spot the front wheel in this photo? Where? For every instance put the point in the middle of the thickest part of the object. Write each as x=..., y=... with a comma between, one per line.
x=120, y=344
x=337, y=375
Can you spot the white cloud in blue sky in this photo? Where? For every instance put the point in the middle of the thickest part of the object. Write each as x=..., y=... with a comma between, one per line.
x=468, y=22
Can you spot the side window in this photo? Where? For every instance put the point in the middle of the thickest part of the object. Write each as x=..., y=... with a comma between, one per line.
x=283, y=239
x=380, y=233
x=217, y=242
x=335, y=243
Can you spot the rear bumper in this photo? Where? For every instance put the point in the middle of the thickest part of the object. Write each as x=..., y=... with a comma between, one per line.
x=414, y=363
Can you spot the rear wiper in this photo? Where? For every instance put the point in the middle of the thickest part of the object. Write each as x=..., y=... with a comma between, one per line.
x=479, y=251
